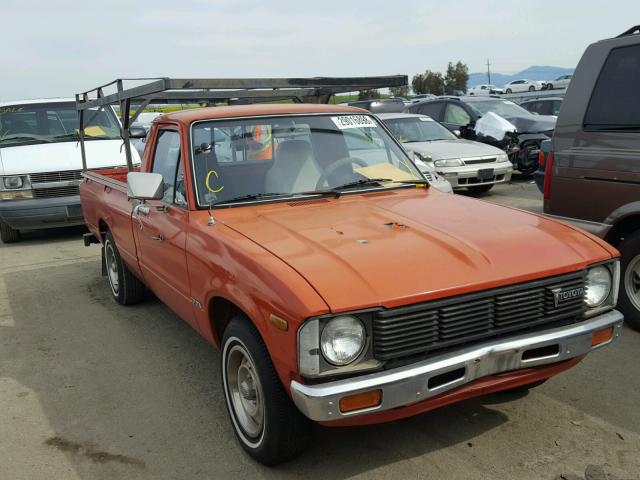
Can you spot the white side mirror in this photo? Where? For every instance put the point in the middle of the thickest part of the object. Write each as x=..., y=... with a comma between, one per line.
x=145, y=186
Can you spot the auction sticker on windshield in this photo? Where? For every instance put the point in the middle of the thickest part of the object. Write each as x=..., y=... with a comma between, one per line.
x=353, y=121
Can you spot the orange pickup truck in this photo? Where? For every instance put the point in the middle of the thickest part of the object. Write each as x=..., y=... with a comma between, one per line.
x=302, y=241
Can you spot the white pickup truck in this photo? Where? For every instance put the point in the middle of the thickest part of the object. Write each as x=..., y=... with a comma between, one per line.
x=41, y=162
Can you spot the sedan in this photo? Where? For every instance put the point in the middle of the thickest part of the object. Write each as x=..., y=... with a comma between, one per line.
x=464, y=163
x=517, y=86
x=484, y=90
x=560, y=82
x=543, y=106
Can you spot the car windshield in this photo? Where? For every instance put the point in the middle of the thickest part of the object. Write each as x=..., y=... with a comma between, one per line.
x=53, y=122
x=504, y=108
x=418, y=129
x=289, y=155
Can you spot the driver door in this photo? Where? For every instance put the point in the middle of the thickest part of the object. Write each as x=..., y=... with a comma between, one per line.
x=162, y=232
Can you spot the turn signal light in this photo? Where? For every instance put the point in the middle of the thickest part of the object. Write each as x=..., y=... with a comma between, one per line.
x=601, y=336
x=541, y=159
x=360, y=401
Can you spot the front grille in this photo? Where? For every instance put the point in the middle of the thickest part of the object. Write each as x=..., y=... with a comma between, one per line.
x=56, y=192
x=465, y=319
x=478, y=160
x=56, y=176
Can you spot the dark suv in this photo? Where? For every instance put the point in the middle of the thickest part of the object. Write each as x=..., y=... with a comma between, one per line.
x=461, y=114
x=592, y=174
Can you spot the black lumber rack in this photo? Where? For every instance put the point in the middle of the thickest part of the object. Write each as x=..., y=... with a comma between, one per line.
x=214, y=90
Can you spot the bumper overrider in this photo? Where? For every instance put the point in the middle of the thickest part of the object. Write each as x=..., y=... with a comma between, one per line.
x=420, y=381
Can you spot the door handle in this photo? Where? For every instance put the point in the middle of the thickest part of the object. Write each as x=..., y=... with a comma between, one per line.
x=158, y=237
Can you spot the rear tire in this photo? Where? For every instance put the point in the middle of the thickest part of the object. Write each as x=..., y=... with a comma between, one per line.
x=8, y=234
x=532, y=88
x=267, y=424
x=480, y=189
x=629, y=298
x=125, y=287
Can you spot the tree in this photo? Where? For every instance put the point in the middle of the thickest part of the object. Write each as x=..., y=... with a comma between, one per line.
x=402, y=91
x=456, y=78
x=368, y=94
x=428, y=82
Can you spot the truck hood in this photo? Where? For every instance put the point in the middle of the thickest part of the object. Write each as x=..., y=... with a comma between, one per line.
x=61, y=156
x=443, y=149
x=406, y=246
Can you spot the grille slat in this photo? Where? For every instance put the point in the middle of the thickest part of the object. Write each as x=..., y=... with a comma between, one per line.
x=46, y=177
x=56, y=192
x=462, y=320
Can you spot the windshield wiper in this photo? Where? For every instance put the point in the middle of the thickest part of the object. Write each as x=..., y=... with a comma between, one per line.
x=22, y=137
x=66, y=135
x=251, y=196
x=360, y=183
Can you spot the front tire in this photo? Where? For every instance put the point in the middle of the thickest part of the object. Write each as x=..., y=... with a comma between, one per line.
x=629, y=298
x=480, y=189
x=267, y=424
x=532, y=88
x=549, y=87
x=8, y=234
x=508, y=90
x=125, y=286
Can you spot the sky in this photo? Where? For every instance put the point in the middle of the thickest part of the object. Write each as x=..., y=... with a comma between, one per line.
x=59, y=48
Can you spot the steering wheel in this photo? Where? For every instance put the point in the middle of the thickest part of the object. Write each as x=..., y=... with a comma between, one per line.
x=336, y=165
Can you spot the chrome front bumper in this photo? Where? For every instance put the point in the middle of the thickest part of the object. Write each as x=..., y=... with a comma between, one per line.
x=420, y=381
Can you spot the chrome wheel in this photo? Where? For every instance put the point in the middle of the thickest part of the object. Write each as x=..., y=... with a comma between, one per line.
x=245, y=391
x=632, y=281
x=112, y=268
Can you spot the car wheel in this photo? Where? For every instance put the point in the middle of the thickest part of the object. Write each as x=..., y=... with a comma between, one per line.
x=8, y=234
x=480, y=189
x=508, y=90
x=629, y=298
x=267, y=424
x=549, y=87
x=532, y=88
x=125, y=286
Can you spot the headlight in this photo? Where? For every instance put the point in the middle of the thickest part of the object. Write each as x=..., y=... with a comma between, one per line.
x=342, y=340
x=598, y=285
x=503, y=157
x=449, y=162
x=13, y=183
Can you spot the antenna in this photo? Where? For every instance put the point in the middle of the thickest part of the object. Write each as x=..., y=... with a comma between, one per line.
x=488, y=72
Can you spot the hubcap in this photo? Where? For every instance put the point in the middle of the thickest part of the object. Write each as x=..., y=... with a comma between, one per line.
x=632, y=281
x=245, y=391
x=112, y=268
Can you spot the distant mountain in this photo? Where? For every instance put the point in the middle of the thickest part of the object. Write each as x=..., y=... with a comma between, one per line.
x=531, y=73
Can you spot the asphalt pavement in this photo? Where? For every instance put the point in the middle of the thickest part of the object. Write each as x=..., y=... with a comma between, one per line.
x=93, y=390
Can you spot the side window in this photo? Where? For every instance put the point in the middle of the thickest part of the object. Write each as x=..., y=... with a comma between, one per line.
x=165, y=162
x=432, y=109
x=616, y=96
x=456, y=114
x=555, y=108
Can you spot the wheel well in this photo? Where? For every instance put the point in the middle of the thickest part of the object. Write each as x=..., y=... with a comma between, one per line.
x=622, y=229
x=103, y=228
x=221, y=311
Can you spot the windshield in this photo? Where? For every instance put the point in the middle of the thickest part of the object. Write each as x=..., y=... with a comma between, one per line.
x=418, y=129
x=504, y=108
x=293, y=155
x=53, y=122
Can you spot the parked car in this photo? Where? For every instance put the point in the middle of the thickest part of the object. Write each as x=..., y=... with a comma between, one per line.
x=339, y=287
x=144, y=121
x=522, y=131
x=464, y=163
x=561, y=82
x=422, y=96
x=484, y=90
x=543, y=106
x=591, y=176
x=40, y=162
x=378, y=105
x=517, y=86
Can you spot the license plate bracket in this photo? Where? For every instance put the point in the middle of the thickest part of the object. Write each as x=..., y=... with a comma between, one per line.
x=485, y=174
